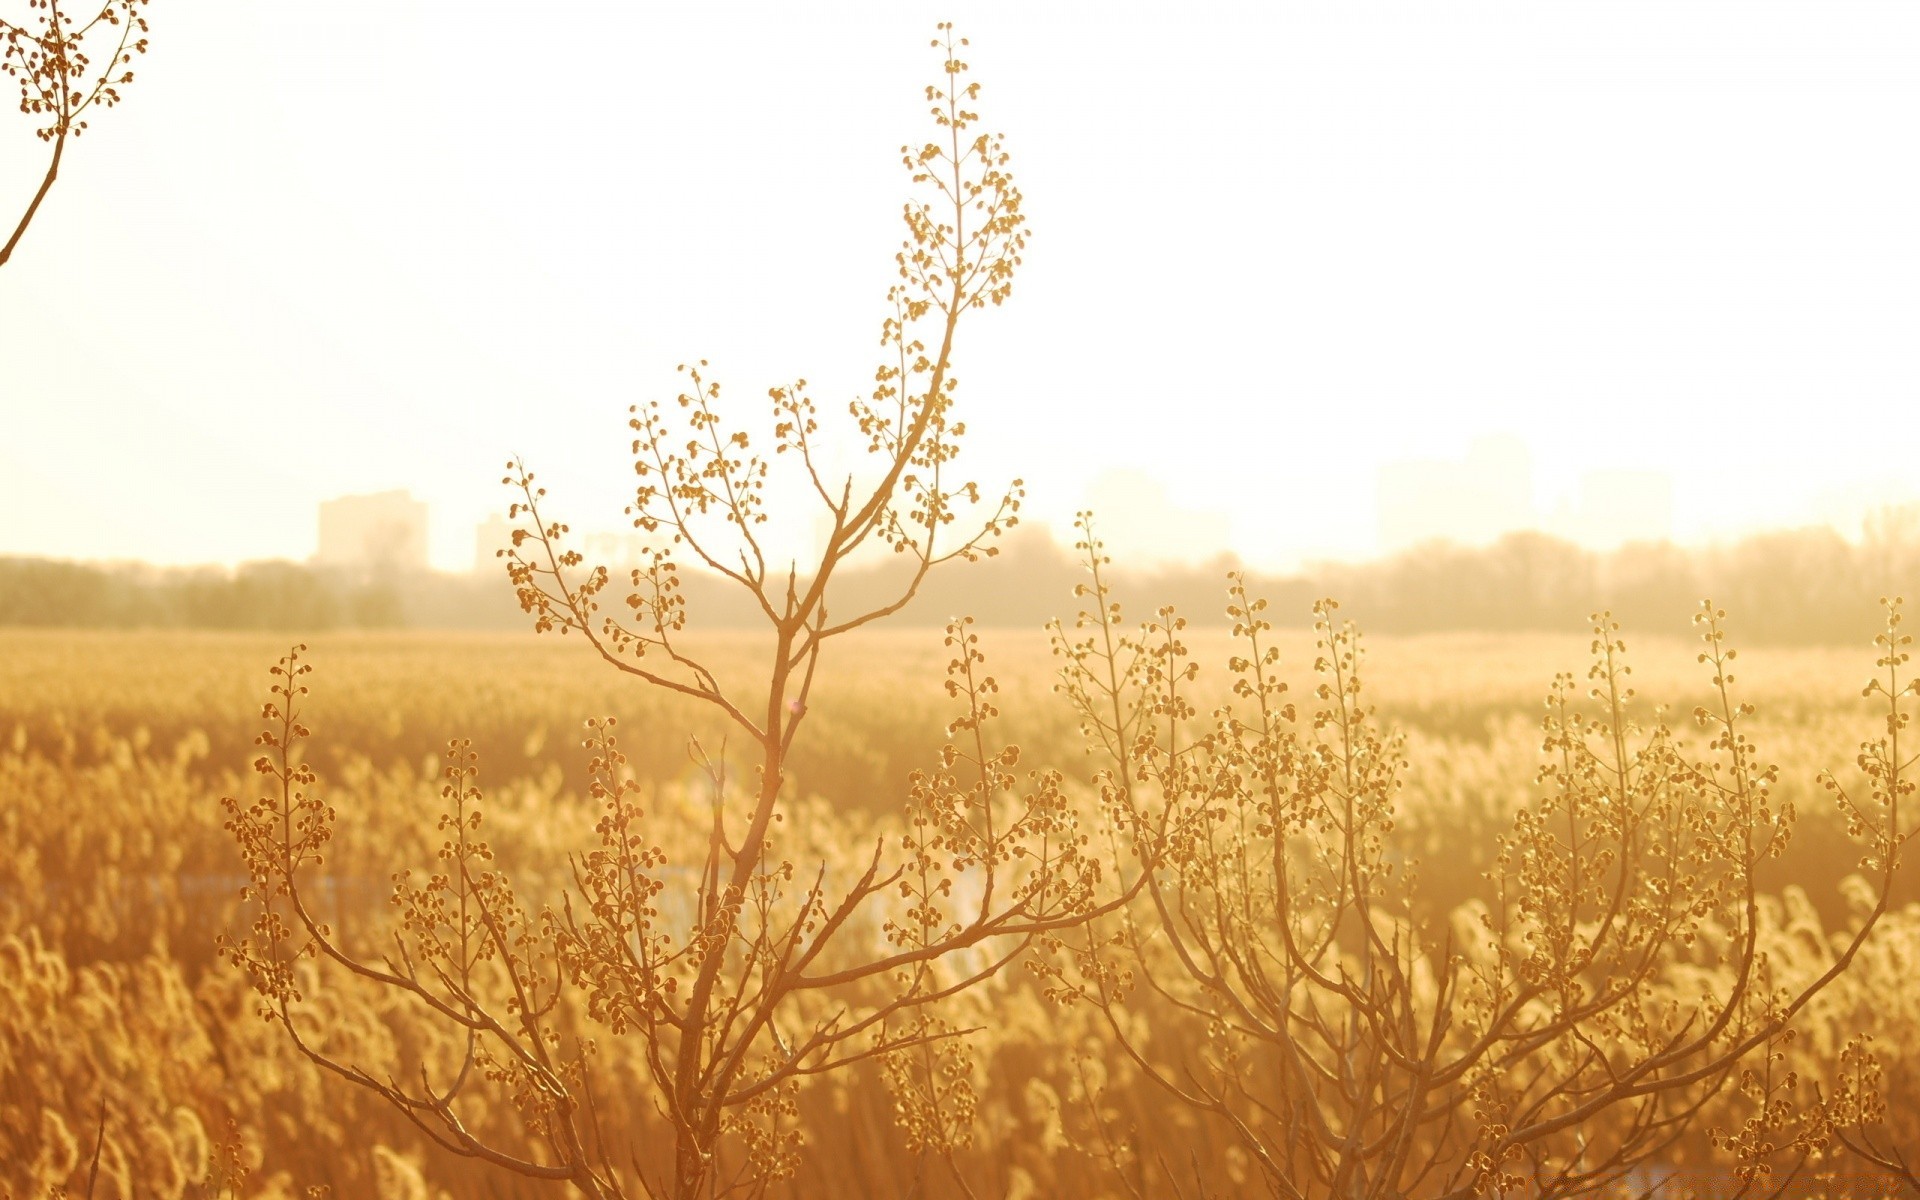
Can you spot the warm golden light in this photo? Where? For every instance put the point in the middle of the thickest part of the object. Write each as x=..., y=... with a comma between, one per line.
x=1665, y=242
x=936, y=752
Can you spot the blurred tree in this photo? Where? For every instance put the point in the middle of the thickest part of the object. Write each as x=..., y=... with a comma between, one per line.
x=1890, y=548
x=60, y=81
x=1651, y=585
x=1796, y=585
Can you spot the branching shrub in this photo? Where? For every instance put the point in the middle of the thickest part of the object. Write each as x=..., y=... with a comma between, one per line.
x=1612, y=979
x=60, y=81
x=1228, y=912
x=746, y=972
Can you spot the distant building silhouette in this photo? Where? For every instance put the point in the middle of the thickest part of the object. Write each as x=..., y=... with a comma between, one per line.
x=381, y=533
x=1142, y=526
x=1471, y=501
x=615, y=550
x=1476, y=500
x=1617, y=507
x=489, y=538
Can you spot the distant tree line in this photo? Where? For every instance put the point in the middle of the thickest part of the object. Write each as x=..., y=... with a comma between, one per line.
x=259, y=595
x=1803, y=586
x=1806, y=586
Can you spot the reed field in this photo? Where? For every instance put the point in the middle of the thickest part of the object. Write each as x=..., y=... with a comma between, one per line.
x=118, y=875
x=722, y=882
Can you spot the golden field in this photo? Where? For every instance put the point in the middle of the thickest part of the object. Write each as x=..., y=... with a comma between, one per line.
x=116, y=875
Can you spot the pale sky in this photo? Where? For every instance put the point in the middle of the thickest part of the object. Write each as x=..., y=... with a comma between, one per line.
x=372, y=244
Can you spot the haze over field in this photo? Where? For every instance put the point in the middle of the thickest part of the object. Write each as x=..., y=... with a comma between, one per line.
x=794, y=850
x=1279, y=253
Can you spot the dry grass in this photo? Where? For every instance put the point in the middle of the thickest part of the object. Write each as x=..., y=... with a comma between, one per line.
x=118, y=875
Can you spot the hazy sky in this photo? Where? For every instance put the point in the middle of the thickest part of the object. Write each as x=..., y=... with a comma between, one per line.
x=384, y=243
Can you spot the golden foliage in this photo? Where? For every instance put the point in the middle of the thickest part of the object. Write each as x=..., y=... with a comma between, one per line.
x=117, y=855
x=60, y=81
x=1271, y=944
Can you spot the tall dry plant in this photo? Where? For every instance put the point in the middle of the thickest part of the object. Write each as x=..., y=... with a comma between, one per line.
x=747, y=973
x=1860, y=1110
x=1612, y=980
x=60, y=82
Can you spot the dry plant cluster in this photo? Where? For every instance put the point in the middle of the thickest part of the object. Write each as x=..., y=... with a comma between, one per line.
x=55, y=58
x=124, y=874
x=1212, y=931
